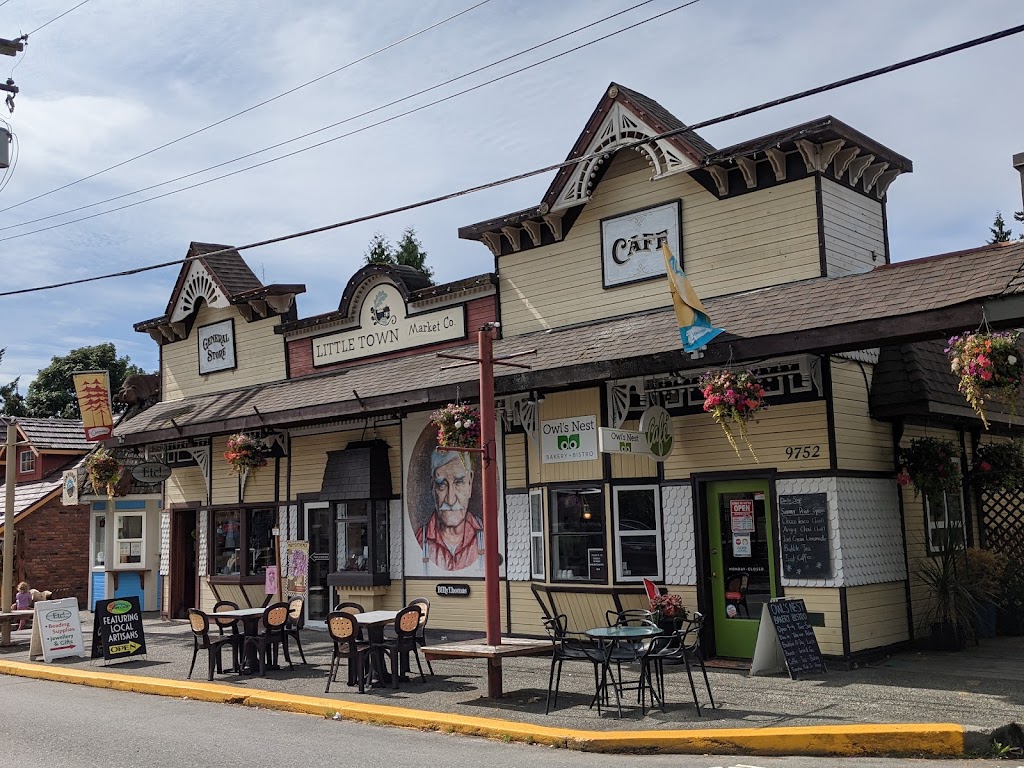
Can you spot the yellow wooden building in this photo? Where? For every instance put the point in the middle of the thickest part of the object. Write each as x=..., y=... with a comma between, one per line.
x=783, y=237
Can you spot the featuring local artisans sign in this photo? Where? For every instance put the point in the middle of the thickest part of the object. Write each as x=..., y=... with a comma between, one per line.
x=217, y=347
x=631, y=243
x=117, y=632
x=572, y=439
x=803, y=536
x=385, y=326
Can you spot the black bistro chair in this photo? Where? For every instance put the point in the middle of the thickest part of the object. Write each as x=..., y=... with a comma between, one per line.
x=345, y=632
x=273, y=623
x=407, y=624
x=225, y=624
x=421, y=632
x=683, y=645
x=200, y=624
x=296, y=621
x=569, y=646
x=350, y=607
x=633, y=652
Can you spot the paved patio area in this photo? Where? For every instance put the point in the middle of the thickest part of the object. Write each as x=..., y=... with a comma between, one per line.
x=982, y=687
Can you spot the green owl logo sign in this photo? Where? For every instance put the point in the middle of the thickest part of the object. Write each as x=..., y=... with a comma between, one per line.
x=573, y=439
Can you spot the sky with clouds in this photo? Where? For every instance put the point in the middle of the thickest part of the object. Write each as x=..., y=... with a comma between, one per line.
x=115, y=78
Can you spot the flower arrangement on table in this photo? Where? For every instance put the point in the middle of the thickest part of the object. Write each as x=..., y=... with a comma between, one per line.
x=733, y=398
x=932, y=465
x=458, y=426
x=104, y=471
x=989, y=365
x=668, y=607
x=246, y=453
x=999, y=466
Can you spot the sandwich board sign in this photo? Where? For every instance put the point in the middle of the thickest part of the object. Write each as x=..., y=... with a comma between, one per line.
x=117, y=632
x=56, y=630
x=785, y=637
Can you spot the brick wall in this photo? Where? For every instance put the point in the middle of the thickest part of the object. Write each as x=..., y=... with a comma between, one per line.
x=54, y=548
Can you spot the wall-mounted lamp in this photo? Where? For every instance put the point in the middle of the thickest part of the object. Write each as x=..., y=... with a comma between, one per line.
x=536, y=398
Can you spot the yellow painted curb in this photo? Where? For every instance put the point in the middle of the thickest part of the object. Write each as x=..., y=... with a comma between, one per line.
x=938, y=739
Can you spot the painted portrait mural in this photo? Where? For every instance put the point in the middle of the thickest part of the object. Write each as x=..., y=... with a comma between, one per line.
x=444, y=534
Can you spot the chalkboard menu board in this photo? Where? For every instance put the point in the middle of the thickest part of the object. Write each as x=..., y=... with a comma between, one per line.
x=796, y=638
x=803, y=533
x=117, y=632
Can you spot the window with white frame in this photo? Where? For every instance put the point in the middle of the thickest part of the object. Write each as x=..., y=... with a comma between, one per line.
x=537, y=534
x=129, y=538
x=944, y=521
x=637, y=512
x=26, y=462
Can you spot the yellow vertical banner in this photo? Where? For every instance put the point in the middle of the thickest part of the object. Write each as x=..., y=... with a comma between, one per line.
x=93, y=391
x=695, y=329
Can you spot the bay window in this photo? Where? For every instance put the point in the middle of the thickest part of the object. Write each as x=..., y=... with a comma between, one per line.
x=242, y=541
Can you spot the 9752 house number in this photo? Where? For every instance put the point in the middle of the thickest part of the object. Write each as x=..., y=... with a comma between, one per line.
x=797, y=452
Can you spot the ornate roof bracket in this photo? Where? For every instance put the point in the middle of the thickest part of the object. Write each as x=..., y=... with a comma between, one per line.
x=871, y=174
x=778, y=160
x=513, y=235
x=721, y=178
x=818, y=156
x=858, y=166
x=282, y=303
x=883, y=182
x=533, y=229
x=554, y=222
x=843, y=160
x=748, y=168
x=493, y=242
x=619, y=398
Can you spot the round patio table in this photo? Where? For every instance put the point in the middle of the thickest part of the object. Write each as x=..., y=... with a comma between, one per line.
x=607, y=638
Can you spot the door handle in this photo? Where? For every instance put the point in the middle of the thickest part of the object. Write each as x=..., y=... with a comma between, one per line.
x=714, y=551
x=714, y=575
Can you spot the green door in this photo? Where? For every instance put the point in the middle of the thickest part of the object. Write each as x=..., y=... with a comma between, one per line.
x=742, y=562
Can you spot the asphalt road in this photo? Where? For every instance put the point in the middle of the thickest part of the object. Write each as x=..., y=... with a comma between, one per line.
x=53, y=725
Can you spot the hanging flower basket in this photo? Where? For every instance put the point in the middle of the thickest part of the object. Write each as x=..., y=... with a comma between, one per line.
x=989, y=366
x=733, y=399
x=999, y=466
x=104, y=471
x=246, y=453
x=458, y=426
x=932, y=465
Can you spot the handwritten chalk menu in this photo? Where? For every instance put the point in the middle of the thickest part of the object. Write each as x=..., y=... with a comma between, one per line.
x=117, y=632
x=803, y=533
x=56, y=630
x=785, y=637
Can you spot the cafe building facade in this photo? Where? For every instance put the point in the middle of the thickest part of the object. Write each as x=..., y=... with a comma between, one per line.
x=784, y=237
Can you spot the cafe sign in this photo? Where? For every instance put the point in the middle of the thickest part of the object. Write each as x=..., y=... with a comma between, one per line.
x=654, y=438
x=631, y=243
x=217, y=347
x=386, y=326
x=572, y=439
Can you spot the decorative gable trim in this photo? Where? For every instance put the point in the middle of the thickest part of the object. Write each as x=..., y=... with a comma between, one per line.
x=198, y=284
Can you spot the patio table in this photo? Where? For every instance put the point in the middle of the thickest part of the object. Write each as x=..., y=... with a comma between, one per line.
x=375, y=622
x=250, y=618
x=607, y=638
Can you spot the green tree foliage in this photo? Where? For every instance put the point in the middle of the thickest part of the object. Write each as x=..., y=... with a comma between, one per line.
x=12, y=402
x=407, y=252
x=52, y=392
x=1000, y=234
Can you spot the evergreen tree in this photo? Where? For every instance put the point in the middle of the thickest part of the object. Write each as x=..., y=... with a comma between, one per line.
x=13, y=402
x=380, y=251
x=1019, y=216
x=1000, y=234
x=408, y=252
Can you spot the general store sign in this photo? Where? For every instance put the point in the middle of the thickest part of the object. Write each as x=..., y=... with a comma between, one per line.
x=631, y=243
x=217, y=347
x=385, y=326
x=572, y=439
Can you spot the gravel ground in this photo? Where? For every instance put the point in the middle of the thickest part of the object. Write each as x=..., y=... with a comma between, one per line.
x=982, y=687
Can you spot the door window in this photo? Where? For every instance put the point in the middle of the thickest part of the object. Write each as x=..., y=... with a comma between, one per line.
x=99, y=548
x=319, y=529
x=638, y=533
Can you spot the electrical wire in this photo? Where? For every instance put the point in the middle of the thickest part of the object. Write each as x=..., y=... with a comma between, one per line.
x=244, y=111
x=69, y=10
x=537, y=171
x=334, y=125
x=306, y=135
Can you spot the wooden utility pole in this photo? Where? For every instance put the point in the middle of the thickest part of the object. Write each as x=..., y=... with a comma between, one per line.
x=8, y=574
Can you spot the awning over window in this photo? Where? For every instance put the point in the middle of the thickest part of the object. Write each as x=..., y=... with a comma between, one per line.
x=361, y=471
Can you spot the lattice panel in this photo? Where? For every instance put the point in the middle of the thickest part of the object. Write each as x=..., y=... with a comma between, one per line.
x=1003, y=522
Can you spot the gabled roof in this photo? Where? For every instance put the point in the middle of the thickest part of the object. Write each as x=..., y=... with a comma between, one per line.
x=29, y=496
x=55, y=434
x=228, y=270
x=893, y=304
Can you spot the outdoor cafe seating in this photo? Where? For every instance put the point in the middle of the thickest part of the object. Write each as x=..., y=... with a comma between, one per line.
x=266, y=643
x=344, y=631
x=296, y=621
x=213, y=645
x=682, y=645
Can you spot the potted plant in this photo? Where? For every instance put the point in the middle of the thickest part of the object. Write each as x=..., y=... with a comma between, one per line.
x=984, y=575
x=999, y=466
x=989, y=365
x=669, y=612
x=245, y=453
x=733, y=398
x=104, y=471
x=953, y=607
x=458, y=426
x=932, y=465
x=1011, y=599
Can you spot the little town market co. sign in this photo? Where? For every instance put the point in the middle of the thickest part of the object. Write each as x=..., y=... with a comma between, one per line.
x=385, y=326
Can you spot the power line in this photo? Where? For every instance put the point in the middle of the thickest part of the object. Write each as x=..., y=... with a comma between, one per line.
x=556, y=166
x=333, y=125
x=306, y=135
x=236, y=114
x=58, y=17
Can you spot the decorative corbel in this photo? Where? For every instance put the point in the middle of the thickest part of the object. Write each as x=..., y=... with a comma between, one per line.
x=493, y=241
x=721, y=177
x=883, y=182
x=871, y=174
x=554, y=222
x=858, y=166
x=778, y=160
x=843, y=160
x=513, y=234
x=749, y=170
x=533, y=229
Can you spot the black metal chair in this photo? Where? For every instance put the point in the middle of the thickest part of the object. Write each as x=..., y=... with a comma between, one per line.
x=345, y=632
x=296, y=621
x=273, y=622
x=569, y=646
x=421, y=632
x=633, y=652
x=200, y=624
x=407, y=624
x=680, y=646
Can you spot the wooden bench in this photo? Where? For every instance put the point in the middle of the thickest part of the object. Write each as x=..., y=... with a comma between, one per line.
x=475, y=649
x=9, y=617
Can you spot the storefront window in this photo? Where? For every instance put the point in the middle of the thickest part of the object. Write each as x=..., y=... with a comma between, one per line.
x=638, y=533
x=352, y=523
x=243, y=541
x=536, y=535
x=577, y=535
x=944, y=518
x=382, y=543
x=360, y=552
x=128, y=542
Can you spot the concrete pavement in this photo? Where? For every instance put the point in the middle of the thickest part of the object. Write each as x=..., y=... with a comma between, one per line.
x=979, y=689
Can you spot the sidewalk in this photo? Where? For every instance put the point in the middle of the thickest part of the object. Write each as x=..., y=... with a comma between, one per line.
x=982, y=688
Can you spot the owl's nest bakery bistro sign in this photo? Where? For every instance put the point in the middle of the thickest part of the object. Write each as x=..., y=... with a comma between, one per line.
x=385, y=326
